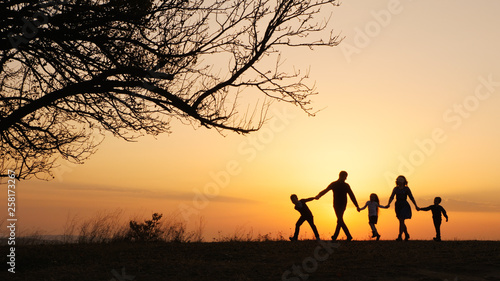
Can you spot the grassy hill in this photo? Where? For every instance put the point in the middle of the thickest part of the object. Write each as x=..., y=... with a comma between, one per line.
x=273, y=260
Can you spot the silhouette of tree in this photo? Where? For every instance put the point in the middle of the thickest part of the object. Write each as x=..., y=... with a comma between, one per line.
x=73, y=70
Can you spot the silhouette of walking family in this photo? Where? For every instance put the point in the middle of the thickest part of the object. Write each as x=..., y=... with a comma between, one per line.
x=340, y=189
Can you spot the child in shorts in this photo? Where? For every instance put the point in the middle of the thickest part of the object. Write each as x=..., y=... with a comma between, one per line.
x=373, y=206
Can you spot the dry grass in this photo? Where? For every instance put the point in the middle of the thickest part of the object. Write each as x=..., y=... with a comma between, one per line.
x=105, y=227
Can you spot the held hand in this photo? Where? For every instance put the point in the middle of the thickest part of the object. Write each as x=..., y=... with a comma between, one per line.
x=446, y=219
x=359, y=210
x=317, y=197
x=418, y=209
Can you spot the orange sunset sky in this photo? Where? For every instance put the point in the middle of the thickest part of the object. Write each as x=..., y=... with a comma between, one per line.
x=413, y=89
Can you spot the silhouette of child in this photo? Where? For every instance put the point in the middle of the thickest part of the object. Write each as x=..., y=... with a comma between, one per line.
x=373, y=206
x=436, y=216
x=305, y=215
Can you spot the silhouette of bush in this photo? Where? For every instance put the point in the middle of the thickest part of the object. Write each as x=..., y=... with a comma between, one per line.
x=150, y=230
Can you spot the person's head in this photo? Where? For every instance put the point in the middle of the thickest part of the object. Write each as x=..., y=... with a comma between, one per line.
x=343, y=175
x=374, y=198
x=294, y=198
x=401, y=181
x=437, y=200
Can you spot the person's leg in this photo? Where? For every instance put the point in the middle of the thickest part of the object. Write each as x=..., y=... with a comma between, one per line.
x=313, y=227
x=437, y=225
x=297, y=228
x=372, y=226
x=406, y=215
x=341, y=223
x=373, y=221
x=374, y=230
x=340, y=220
x=401, y=228
x=376, y=233
x=405, y=231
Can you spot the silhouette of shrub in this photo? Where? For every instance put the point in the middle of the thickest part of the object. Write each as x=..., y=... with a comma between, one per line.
x=149, y=230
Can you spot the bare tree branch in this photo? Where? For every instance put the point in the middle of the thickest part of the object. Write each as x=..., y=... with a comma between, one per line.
x=72, y=70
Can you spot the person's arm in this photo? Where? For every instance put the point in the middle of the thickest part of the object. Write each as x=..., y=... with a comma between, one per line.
x=364, y=207
x=412, y=199
x=444, y=213
x=353, y=198
x=383, y=207
x=308, y=199
x=392, y=197
x=426, y=208
x=324, y=191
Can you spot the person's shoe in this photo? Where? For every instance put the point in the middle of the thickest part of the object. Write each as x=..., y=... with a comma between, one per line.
x=437, y=239
x=399, y=238
x=407, y=237
x=293, y=239
x=374, y=234
x=348, y=238
x=318, y=239
x=334, y=238
x=378, y=237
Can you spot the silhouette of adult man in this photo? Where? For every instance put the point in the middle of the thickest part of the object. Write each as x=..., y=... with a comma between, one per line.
x=340, y=190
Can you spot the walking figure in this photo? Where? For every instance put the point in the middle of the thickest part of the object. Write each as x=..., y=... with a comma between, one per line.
x=373, y=206
x=437, y=210
x=305, y=215
x=402, y=207
x=340, y=190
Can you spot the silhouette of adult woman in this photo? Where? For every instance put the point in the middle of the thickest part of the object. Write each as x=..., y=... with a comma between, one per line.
x=402, y=207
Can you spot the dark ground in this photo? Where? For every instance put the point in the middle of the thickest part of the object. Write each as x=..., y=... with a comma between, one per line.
x=275, y=260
